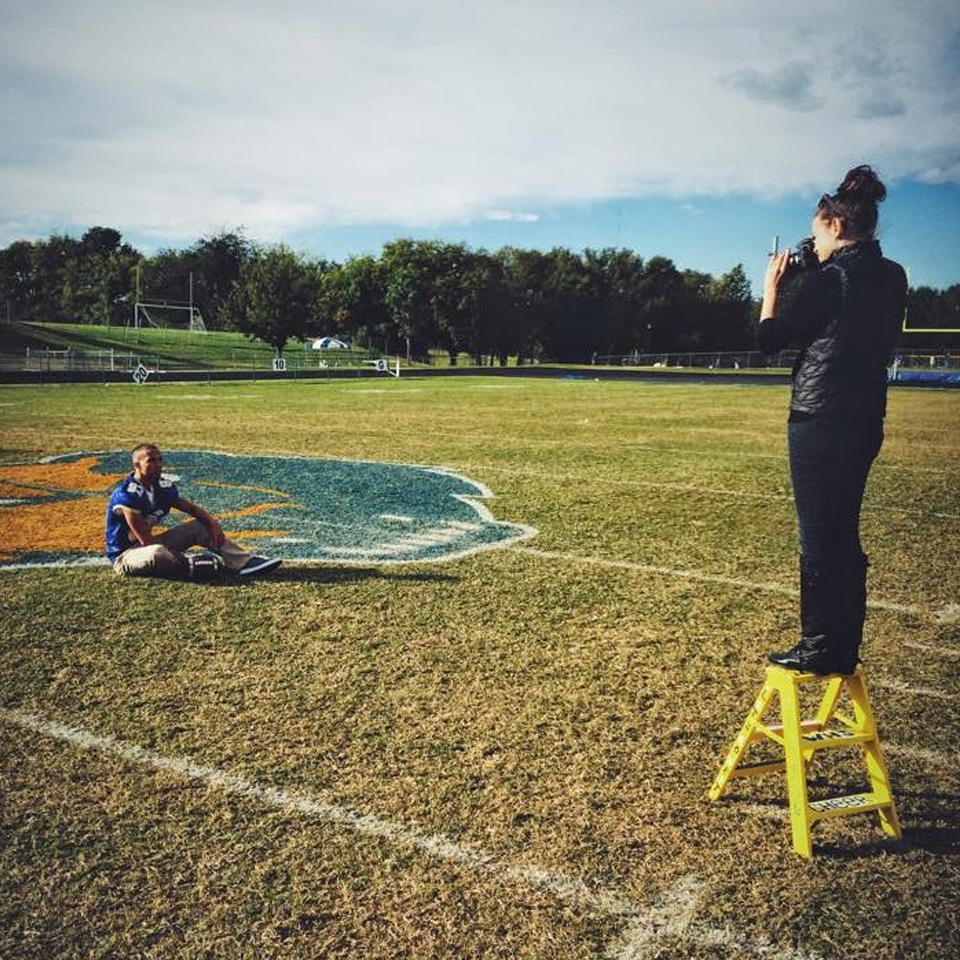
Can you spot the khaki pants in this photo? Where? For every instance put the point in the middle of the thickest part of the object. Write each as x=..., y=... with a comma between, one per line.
x=164, y=559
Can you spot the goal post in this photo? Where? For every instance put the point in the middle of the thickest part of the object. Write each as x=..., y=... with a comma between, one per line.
x=156, y=312
x=147, y=313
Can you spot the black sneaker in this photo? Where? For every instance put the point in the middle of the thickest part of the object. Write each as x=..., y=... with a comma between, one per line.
x=257, y=565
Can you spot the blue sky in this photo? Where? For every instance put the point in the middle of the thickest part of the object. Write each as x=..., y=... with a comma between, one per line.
x=695, y=129
x=919, y=227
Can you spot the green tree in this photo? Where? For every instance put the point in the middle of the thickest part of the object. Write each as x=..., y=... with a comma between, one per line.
x=615, y=288
x=450, y=299
x=18, y=280
x=567, y=332
x=731, y=314
x=350, y=302
x=472, y=305
x=217, y=263
x=105, y=275
x=55, y=269
x=411, y=268
x=274, y=297
x=528, y=307
x=661, y=293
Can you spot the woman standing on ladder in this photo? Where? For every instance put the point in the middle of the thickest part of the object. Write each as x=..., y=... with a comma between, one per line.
x=844, y=320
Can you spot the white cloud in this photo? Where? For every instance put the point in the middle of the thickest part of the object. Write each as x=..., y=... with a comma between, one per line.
x=179, y=118
x=511, y=216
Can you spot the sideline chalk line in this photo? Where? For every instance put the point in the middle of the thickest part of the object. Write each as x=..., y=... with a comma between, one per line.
x=941, y=651
x=937, y=758
x=639, y=445
x=673, y=914
x=691, y=488
x=897, y=687
x=948, y=614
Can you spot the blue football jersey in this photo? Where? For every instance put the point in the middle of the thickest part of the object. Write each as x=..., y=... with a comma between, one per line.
x=153, y=504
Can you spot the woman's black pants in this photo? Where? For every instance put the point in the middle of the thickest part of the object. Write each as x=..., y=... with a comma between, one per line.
x=830, y=460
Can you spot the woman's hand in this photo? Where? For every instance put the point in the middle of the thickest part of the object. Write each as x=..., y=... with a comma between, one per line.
x=776, y=271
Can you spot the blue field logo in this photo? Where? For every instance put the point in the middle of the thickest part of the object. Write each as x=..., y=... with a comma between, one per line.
x=298, y=508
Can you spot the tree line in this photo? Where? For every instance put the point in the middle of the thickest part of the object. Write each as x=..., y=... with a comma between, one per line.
x=415, y=296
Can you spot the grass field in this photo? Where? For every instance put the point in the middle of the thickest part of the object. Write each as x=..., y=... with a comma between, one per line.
x=177, y=348
x=502, y=756
x=166, y=347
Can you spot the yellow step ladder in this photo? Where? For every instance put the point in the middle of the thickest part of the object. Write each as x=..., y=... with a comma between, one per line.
x=800, y=739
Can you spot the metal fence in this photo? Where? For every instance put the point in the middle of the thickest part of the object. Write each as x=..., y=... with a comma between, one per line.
x=119, y=361
x=754, y=360
x=714, y=360
x=928, y=361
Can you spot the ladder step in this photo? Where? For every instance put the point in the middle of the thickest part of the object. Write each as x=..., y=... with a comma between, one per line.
x=820, y=739
x=844, y=806
x=813, y=737
x=777, y=729
x=755, y=769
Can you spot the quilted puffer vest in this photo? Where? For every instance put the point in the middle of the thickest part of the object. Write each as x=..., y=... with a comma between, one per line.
x=841, y=369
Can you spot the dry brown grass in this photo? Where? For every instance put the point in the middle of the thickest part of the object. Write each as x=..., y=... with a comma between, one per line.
x=554, y=714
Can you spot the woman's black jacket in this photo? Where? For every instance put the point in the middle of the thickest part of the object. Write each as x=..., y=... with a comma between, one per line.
x=844, y=319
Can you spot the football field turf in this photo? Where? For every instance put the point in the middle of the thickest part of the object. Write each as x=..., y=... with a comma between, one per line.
x=376, y=753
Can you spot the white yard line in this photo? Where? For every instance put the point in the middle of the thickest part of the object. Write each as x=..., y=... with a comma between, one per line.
x=640, y=445
x=581, y=479
x=899, y=687
x=938, y=651
x=948, y=614
x=672, y=915
x=937, y=758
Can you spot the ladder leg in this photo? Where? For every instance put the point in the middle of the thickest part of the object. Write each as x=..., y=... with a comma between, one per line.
x=740, y=744
x=877, y=770
x=825, y=711
x=796, y=772
x=829, y=702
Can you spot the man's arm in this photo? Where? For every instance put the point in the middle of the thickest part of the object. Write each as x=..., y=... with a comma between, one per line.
x=205, y=517
x=139, y=526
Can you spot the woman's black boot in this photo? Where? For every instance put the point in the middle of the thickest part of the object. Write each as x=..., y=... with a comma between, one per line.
x=819, y=649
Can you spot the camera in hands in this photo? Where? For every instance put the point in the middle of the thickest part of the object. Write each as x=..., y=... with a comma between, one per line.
x=803, y=256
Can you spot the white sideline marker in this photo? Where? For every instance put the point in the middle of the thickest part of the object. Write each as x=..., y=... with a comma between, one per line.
x=941, y=651
x=937, y=758
x=946, y=615
x=581, y=479
x=897, y=687
x=672, y=915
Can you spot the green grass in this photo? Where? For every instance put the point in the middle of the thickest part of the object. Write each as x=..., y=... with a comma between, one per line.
x=169, y=347
x=227, y=350
x=555, y=713
x=179, y=348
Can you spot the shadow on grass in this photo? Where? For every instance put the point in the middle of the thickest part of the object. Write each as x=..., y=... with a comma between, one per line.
x=935, y=840
x=331, y=575
x=352, y=574
x=937, y=831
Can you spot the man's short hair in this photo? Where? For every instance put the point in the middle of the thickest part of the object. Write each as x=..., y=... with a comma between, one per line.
x=143, y=448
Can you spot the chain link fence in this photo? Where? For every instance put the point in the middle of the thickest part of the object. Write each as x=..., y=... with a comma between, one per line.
x=119, y=361
x=713, y=360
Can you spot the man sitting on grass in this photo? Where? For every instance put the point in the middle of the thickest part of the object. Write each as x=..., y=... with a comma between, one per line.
x=144, y=498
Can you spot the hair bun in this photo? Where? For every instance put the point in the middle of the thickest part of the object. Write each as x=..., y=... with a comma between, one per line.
x=862, y=183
